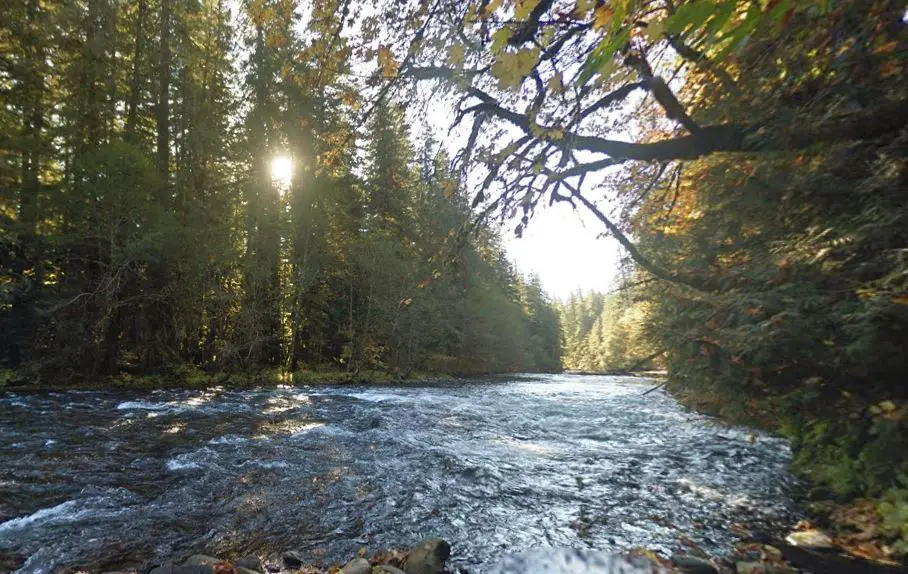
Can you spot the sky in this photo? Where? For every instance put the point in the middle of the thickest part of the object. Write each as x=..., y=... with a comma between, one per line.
x=560, y=245
x=562, y=248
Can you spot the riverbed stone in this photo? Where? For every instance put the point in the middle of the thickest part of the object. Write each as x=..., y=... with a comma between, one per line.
x=293, y=559
x=693, y=565
x=428, y=557
x=183, y=569
x=200, y=560
x=241, y=570
x=749, y=568
x=356, y=566
x=251, y=562
x=386, y=569
x=813, y=538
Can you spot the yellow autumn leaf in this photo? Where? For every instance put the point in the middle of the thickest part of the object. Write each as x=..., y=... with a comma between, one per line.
x=655, y=29
x=602, y=16
x=523, y=8
x=386, y=62
x=500, y=39
x=456, y=54
x=490, y=8
x=510, y=68
x=583, y=7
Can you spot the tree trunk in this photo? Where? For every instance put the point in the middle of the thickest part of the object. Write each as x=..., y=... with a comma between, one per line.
x=135, y=86
x=162, y=113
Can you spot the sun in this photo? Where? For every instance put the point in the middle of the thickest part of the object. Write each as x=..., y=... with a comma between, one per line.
x=281, y=170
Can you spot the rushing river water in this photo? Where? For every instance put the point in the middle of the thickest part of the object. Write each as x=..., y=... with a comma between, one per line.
x=101, y=479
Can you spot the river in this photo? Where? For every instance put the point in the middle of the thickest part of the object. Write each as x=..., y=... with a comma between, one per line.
x=101, y=480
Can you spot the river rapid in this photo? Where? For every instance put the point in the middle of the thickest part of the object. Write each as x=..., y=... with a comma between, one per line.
x=104, y=480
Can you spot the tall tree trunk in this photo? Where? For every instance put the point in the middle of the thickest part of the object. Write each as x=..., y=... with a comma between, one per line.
x=28, y=254
x=162, y=113
x=135, y=85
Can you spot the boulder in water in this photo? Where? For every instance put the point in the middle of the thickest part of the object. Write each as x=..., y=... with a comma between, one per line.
x=200, y=560
x=241, y=570
x=428, y=557
x=251, y=562
x=386, y=569
x=572, y=561
x=184, y=569
x=693, y=565
x=292, y=559
x=356, y=566
x=813, y=538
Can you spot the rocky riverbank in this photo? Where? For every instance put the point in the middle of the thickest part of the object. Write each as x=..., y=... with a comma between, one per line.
x=805, y=550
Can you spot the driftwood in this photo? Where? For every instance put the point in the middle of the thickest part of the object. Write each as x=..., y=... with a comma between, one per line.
x=659, y=386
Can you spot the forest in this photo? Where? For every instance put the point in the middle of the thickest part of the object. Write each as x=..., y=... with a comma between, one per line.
x=750, y=157
x=144, y=230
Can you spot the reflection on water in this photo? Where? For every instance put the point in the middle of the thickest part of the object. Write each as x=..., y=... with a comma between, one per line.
x=99, y=479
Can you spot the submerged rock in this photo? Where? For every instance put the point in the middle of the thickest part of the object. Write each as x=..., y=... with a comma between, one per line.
x=693, y=565
x=200, y=560
x=292, y=559
x=428, y=557
x=813, y=538
x=356, y=566
x=251, y=562
x=572, y=561
x=749, y=568
x=385, y=569
x=183, y=569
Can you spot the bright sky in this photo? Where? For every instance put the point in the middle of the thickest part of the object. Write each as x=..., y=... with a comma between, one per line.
x=561, y=247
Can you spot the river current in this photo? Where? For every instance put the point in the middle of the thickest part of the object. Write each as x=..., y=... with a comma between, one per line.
x=106, y=480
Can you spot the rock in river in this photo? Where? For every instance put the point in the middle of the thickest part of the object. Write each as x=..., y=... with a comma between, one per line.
x=692, y=565
x=356, y=566
x=810, y=539
x=251, y=562
x=428, y=557
x=292, y=559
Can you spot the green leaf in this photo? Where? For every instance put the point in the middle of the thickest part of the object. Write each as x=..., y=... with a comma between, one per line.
x=692, y=15
x=603, y=54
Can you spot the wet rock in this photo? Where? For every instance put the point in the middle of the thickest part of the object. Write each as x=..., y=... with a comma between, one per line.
x=356, y=566
x=750, y=568
x=200, y=560
x=251, y=562
x=292, y=559
x=693, y=565
x=816, y=539
x=385, y=569
x=184, y=569
x=428, y=557
x=241, y=570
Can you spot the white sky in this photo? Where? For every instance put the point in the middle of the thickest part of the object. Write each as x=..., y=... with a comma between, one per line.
x=561, y=247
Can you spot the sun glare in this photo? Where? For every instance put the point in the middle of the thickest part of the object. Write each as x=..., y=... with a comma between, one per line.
x=281, y=170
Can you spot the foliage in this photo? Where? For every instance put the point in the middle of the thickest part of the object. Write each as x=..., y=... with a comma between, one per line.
x=143, y=237
x=605, y=332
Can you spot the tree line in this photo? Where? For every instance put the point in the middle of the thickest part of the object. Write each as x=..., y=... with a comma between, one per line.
x=142, y=229
x=607, y=332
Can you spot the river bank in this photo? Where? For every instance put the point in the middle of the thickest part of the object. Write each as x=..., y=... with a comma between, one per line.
x=861, y=518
